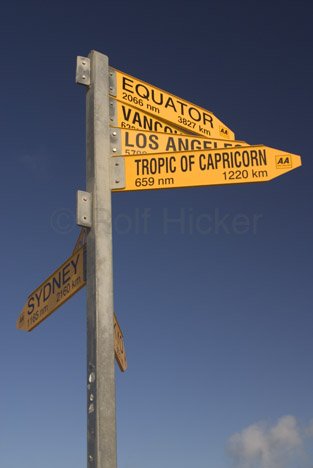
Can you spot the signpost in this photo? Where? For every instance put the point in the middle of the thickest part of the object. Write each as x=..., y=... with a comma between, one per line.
x=101, y=420
x=205, y=167
x=166, y=106
x=156, y=146
x=132, y=142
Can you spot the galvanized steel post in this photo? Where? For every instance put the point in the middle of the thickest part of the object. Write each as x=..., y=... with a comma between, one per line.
x=100, y=332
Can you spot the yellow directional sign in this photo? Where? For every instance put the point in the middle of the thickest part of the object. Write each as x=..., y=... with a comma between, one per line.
x=132, y=142
x=52, y=293
x=119, y=348
x=57, y=289
x=207, y=167
x=125, y=116
x=158, y=102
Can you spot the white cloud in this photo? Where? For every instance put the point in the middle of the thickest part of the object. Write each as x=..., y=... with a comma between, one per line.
x=281, y=445
x=309, y=429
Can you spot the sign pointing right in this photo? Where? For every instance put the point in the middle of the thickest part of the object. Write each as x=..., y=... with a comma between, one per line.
x=131, y=142
x=221, y=166
x=166, y=106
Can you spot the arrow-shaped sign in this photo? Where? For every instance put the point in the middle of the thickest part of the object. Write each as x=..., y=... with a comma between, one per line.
x=221, y=166
x=132, y=142
x=125, y=116
x=57, y=289
x=53, y=292
x=166, y=106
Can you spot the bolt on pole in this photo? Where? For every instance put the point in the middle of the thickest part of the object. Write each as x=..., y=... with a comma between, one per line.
x=101, y=426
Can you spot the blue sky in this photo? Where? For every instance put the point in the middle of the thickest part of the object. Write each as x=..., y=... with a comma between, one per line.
x=217, y=325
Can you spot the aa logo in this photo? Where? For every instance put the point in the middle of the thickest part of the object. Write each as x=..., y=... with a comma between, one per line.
x=283, y=162
x=223, y=131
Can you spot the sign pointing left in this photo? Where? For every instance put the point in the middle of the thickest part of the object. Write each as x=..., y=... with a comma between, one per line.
x=52, y=293
x=58, y=288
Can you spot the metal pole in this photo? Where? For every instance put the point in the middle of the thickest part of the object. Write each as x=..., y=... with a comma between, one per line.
x=101, y=428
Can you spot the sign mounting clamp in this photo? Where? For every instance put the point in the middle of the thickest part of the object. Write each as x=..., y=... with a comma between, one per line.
x=83, y=215
x=118, y=173
x=83, y=71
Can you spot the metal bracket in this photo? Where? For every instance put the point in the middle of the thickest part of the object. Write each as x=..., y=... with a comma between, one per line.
x=118, y=173
x=113, y=112
x=112, y=81
x=83, y=71
x=115, y=141
x=83, y=216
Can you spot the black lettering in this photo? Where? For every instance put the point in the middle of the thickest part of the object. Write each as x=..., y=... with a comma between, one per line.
x=66, y=274
x=125, y=84
x=153, y=142
x=182, y=107
x=38, y=297
x=147, y=123
x=254, y=157
x=127, y=142
x=196, y=116
x=226, y=163
x=210, y=162
x=56, y=283
x=170, y=103
x=202, y=164
x=245, y=158
x=137, y=162
x=74, y=264
x=153, y=166
x=237, y=162
x=184, y=163
x=195, y=145
x=126, y=113
x=46, y=291
x=182, y=145
x=170, y=145
x=172, y=161
x=218, y=158
x=160, y=101
x=144, y=96
x=31, y=305
x=208, y=119
x=145, y=166
x=137, y=119
x=262, y=155
x=141, y=140
x=161, y=164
